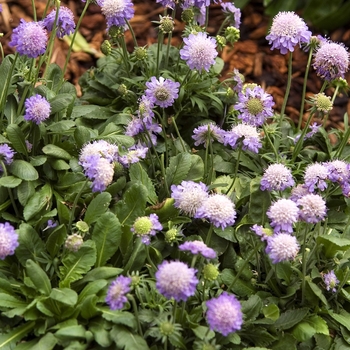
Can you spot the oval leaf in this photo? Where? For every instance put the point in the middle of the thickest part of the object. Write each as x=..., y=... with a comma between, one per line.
x=23, y=170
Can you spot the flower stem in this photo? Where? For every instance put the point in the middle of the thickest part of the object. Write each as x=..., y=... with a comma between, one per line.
x=209, y=234
x=136, y=313
x=236, y=167
x=178, y=134
x=75, y=205
x=303, y=261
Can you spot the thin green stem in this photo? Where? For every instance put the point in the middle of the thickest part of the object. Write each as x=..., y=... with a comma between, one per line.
x=270, y=142
x=303, y=261
x=34, y=11
x=77, y=197
x=178, y=134
x=342, y=144
x=222, y=25
x=132, y=32
x=209, y=234
x=136, y=313
x=159, y=51
x=236, y=167
x=149, y=258
x=325, y=118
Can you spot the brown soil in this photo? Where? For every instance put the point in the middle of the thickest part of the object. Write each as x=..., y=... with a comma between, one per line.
x=251, y=55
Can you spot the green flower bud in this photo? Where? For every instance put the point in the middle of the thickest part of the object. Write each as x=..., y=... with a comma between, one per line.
x=232, y=34
x=82, y=226
x=170, y=235
x=116, y=32
x=187, y=15
x=166, y=24
x=106, y=48
x=210, y=272
x=140, y=53
x=166, y=328
x=73, y=242
x=321, y=103
x=122, y=89
x=221, y=41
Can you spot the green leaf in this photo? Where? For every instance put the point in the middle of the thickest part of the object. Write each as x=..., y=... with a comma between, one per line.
x=179, y=167
x=137, y=173
x=24, y=191
x=91, y=288
x=38, y=202
x=17, y=138
x=251, y=308
x=60, y=102
x=271, y=311
x=133, y=204
x=127, y=340
x=290, y=318
x=105, y=272
x=259, y=202
x=10, y=302
x=319, y=324
x=64, y=295
x=71, y=333
x=30, y=244
x=76, y=264
x=332, y=244
x=106, y=234
x=82, y=135
x=97, y=207
x=196, y=171
x=56, y=239
x=10, y=181
x=61, y=126
x=9, y=340
x=317, y=291
x=56, y=152
x=39, y=277
x=342, y=317
x=23, y=170
x=119, y=317
x=303, y=331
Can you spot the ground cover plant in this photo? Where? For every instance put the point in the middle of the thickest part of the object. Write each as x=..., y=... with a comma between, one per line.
x=169, y=207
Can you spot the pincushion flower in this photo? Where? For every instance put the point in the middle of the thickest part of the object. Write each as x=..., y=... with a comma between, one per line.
x=199, y=51
x=198, y=247
x=287, y=31
x=277, y=177
x=298, y=191
x=218, y=209
x=6, y=154
x=116, y=294
x=262, y=232
x=134, y=155
x=282, y=247
x=101, y=148
x=189, y=196
x=174, y=279
x=209, y=132
x=73, y=242
x=8, y=240
x=312, y=208
x=37, y=109
x=162, y=92
x=166, y=3
x=254, y=105
x=224, y=314
x=331, y=281
x=331, y=61
x=29, y=38
x=283, y=214
x=247, y=134
x=116, y=11
x=338, y=171
x=65, y=21
x=146, y=227
x=231, y=11
x=315, y=176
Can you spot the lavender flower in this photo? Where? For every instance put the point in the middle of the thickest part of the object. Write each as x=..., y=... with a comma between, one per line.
x=211, y=131
x=199, y=51
x=166, y=3
x=255, y=106
x=8, y=240
x=50, y=224
x=6, y=154
x=287, y=30
x=298, y=192
x=218, y=209
x=338, y=171
x=116, y=11
x=176, y=280
x=145, y=108
x=116, y=294
x=315, y=176
x=238, y=78
x=277, y=177
x=65, y=21
x=282, y=247
x=135, y=153
x=162, y=92
x=29, y=38
x=283, y=214
x=231, y=11
x=224, y=314
x=314, y=129
x=331, y=61
x=146, y=226
x=73, y=242
x=312, y=208
x=37, y=109
x=262, y=232
x=189, y=196
x=247, y=133
x=198, y=247
x=331, y=281
x=101, y=148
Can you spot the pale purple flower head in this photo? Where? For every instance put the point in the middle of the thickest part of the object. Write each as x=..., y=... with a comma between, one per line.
x=116, y=294
x=331, y=281
x=331, y=60
x=101, y=148
x=65, y=22
x=162, y=92
x=287, y=31
x=238, y=78
x=224, y=314
x=50, y=224
x=6, y=154
x=254, y=105
x=199, y=16
x=29, y=38
x=134, y=155
x=116, y=11
x=312, y=208
x=231, y=11
x=146, y=227
x=247, y=133
x=338, y=171
x=174, y=279
x=166, y=3
x=282, y=247
x=189, y=196
x=218, y=209
x=283, y=214
x=145, y=108
x=199, y=51
x=8, y=240
x=262, y=232
x=315, y=177
x=277, y=177
x=198, y=247
x=37, y=109
x=314, y=129
x=211, y=131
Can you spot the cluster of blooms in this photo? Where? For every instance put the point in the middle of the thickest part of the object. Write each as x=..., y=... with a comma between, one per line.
x=6, y=154
x=116, y=294
x=146, y=227
x=193, y=200
x=208, y=133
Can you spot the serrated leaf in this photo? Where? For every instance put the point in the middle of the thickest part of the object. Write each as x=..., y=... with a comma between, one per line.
x=23, y=170
x=317, y=291
x=97, y=207
x=8, y=301
x=332, y=244
x=10, y=181
x=290, y=318
x=178, y=169
x=60, y=102
x=319, y=324
x=8, y=340
x=56, y=152
x=106, y=235
x=251, y=308
x=38, y=277
x=196, y=171
x=76, y=264
x=342, y=317
x=17, y=138
x=127, y=340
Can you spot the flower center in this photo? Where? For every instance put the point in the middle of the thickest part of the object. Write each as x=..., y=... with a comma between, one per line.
x=254, y=106
x=162, y=94
x=143, y=225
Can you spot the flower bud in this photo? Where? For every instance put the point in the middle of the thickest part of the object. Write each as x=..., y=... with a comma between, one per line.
x=106, y=48
x=73, y=242
x=166, y=24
